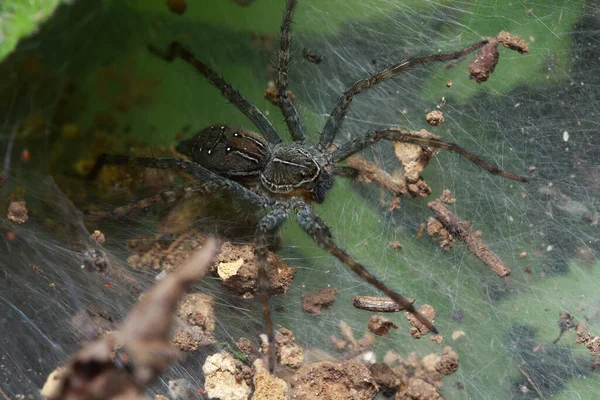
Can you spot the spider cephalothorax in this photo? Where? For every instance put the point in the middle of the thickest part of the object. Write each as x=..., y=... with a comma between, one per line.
x=279, y=178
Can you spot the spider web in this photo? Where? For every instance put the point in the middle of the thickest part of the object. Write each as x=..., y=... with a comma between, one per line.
x=85, y=84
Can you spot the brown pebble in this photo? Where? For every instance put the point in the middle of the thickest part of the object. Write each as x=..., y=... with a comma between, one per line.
x=435, y=118
x=313, y=303
x=448, y=362
x=17, y=212
x=513, y=42
x=98, y=236
x=418, y=330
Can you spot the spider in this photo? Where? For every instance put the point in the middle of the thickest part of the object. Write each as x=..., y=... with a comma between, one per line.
x=283, y=178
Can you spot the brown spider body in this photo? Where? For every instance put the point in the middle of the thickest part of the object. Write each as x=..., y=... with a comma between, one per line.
x=282, y=178
x=283, y=170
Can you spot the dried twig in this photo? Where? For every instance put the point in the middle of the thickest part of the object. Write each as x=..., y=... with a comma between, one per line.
x=371, y=172
x=377, y=304
x=121, y=365
x=462, y=230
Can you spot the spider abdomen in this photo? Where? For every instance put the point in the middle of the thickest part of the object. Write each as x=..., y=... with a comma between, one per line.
x=235, y=153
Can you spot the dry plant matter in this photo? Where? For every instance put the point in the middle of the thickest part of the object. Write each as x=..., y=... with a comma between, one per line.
x=462, y=230
x=488, y=56
x=120, y=365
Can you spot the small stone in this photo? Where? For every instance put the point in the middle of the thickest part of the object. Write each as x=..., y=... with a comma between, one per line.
x=435, y=118
x=17, y=212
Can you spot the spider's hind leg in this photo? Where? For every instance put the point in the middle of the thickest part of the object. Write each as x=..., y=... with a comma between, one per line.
x=340, y=109
x=406, y=136
x=319, y=232
x=210, y=180
x=167, y=197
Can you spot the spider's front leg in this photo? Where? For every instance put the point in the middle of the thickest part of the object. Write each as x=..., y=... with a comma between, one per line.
x=269, y=223
x=318, y=230
x=176, y=50
x=288, y=109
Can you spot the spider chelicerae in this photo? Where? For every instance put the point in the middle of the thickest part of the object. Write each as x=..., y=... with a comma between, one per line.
x=283, y=178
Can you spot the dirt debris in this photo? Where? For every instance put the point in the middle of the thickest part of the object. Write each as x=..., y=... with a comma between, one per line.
x=513, y=42
x=592, y=343
x=198, y=309
x=421, y=378
x=418, y=389
x=437, y=339
x=267, y=386
x=182, y=389
x=243, y=280
x=314, y=302
x=380, y=326
x=385, y=378
x=288, y=351
x=418, y=330
x=222, y=378
x=487, y=57
x=95, y=260
x=191, y=338
x=17, y=212
x=435, y=118
x=234, y=264
x=348, y=343
x=196, y=322
x=437, y=232
x=325, y=380
x=396, y=245
x=485, y=62
x=448, y=362
x=247, y=347
x=98, y=237
x=447, y=197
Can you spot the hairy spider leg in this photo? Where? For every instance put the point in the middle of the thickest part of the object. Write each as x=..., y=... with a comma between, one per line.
x=235, y=97
x=288, y=109
x=268, y=224
x=406, y=136
x=338, y=113
x=166, y=197
x=196, y=171
x=316, y=228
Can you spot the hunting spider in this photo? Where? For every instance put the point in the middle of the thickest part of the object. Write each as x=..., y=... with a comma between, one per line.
x=281, y=178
